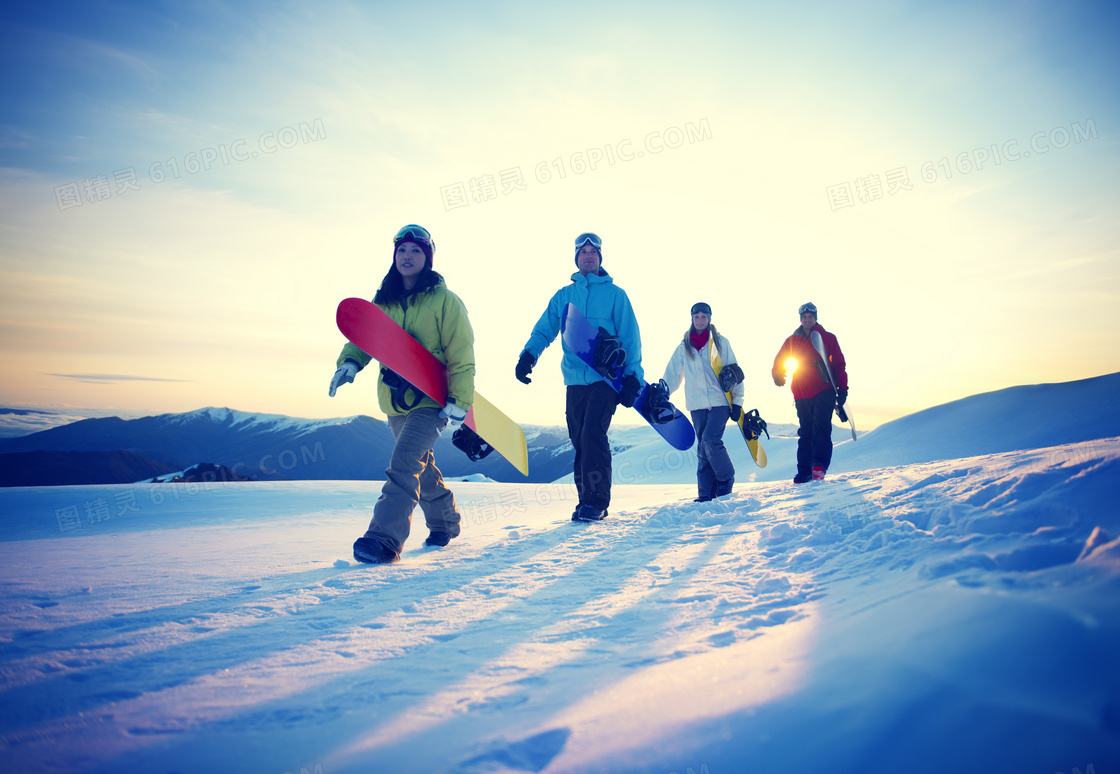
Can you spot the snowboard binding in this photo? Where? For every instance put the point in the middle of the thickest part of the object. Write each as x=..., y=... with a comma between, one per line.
x=754, y=424
x=471, y=444
x=398, y=389
x=657, y=408
x=731, y=375
x=609, y=354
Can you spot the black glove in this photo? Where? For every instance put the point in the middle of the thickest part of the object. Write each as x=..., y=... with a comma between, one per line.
x=841, y=397
x=525, y=366
x=736, y=410
x=779, y=378
x=629, y=392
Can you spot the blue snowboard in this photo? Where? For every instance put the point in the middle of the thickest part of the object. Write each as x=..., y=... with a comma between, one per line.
x=580, y=336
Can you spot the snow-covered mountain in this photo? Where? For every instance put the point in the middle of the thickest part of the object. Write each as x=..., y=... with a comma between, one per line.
x=274, y=447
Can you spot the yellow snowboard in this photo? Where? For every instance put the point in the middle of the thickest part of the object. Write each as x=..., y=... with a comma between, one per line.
x=752, y=440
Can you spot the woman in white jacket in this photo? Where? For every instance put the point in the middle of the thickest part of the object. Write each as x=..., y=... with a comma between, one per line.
x=704, y=397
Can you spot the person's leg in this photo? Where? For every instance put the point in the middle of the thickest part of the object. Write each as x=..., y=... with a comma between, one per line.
x=415, y=434
x=823, y=406
x=437, y=501
x=705, y=476
x=601, y=403
x=711, y=441
x=804, y=437
x=575, y=410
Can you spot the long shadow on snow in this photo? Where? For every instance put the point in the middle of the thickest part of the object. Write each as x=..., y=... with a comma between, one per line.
x=82, y=690
x=386, y=689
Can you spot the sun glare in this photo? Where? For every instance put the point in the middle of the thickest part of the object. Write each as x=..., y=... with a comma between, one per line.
x=791, y=365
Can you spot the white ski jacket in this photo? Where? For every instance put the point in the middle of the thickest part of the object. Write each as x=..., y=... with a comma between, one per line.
x=701, y=385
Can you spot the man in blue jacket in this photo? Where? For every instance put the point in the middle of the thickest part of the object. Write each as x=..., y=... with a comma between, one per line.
x=591, y=401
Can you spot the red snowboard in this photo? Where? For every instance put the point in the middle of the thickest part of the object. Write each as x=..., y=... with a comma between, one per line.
x=375, y=333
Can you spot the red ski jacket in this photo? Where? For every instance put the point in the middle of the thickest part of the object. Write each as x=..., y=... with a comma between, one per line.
x=810, y=378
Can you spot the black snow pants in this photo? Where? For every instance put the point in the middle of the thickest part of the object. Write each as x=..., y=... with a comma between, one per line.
x=814, y=437
x=589, y=409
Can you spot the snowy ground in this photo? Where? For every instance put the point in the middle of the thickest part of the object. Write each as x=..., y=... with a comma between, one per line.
x=951, y=616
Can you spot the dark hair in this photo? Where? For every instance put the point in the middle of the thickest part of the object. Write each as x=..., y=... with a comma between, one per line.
x=392, y=290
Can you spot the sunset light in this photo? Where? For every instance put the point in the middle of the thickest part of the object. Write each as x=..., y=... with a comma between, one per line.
x=257, y=161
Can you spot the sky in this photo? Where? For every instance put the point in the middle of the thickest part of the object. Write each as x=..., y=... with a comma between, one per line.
x=187, y=190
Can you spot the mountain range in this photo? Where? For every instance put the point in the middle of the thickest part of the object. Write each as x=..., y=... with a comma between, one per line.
x=270, y=447
x=264, y=447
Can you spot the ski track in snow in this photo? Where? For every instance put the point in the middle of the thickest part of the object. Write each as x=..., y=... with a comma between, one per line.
x=667, y=636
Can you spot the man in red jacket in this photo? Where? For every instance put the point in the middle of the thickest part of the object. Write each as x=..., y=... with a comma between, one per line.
x=812, y=392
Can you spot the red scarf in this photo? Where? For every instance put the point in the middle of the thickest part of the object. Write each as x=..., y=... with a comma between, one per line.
x=700, y=340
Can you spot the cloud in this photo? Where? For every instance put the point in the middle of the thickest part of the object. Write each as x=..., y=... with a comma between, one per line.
x=15, y=423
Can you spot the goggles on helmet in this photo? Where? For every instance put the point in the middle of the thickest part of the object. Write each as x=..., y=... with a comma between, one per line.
x=589, y=239
x=415, y=233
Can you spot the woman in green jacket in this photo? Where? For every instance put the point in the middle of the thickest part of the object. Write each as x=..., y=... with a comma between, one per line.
x=417, y=299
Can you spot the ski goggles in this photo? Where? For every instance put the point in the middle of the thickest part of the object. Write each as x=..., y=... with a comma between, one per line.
x=807, y=308
x=416, y=234
x=589, y=239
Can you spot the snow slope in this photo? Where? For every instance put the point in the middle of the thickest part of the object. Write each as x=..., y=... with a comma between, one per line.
x=1025, y=417
x=948, y=616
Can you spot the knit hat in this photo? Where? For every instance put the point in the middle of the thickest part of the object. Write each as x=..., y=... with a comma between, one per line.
x=809, y=307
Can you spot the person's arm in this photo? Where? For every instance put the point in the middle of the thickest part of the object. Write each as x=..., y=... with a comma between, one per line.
x=778, y=372
x=352, y=352
x=738, y=391
x=674, y=371
x=838, y=363
x=457, y=340
x=626, y=325
x=547, y=328
x=350, y=361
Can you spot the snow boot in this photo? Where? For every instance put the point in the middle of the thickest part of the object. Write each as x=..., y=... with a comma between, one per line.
x=802, y=478
x=373, y=551
x=818, y=473
x=723, y=488
x=587, y=512
x=438, y=539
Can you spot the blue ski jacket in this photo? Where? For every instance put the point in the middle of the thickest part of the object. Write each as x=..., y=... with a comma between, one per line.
x=605, y=305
